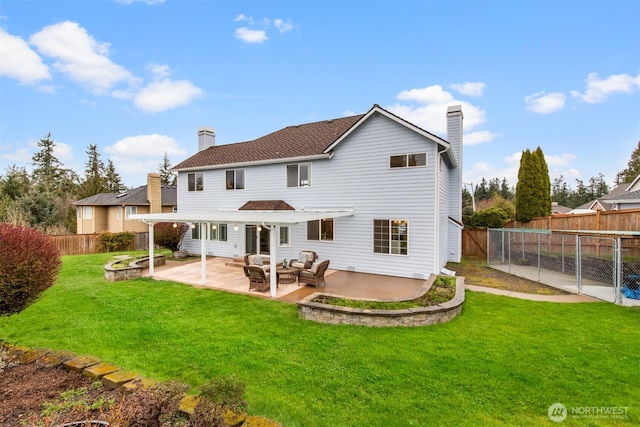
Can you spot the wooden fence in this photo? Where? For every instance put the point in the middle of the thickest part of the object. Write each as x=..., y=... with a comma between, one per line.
x=474, y=241
x=81, y=244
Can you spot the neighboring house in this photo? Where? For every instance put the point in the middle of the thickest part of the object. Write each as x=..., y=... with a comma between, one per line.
x=110, y=211
x=372, y=193
x=557, y=209
x=624, y=196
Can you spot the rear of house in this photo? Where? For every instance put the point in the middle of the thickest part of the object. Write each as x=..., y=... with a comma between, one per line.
x=401, y=183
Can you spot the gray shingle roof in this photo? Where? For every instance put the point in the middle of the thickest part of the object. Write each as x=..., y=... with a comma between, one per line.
x=134, y=197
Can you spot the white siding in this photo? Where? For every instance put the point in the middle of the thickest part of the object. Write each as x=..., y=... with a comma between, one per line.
x=357, y=176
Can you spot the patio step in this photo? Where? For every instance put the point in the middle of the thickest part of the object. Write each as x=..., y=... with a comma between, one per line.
x=236, y=262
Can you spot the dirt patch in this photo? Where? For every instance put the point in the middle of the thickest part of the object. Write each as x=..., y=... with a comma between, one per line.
x=476, y=272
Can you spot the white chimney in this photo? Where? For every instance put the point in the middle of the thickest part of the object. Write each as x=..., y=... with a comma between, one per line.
x=206, y=138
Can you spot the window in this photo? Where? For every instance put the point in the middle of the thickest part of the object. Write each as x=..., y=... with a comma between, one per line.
x=195, y=181
x=218, y=232
x=390, y=236
x=284, y=235
x=320, y=230
x=79, y=212
x=195, y=231
x=299, y=175
x=235, y=179
x=408, y=160
x=87, y=212
x=130, y=210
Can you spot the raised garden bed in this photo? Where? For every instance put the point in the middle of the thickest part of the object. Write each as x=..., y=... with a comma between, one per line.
x=129, y=268
x=324, y=308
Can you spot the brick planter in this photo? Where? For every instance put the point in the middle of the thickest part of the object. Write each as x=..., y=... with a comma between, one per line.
x=418, y=316
x=133, y=270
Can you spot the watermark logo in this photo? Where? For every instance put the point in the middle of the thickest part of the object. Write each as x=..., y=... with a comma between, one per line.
x=557, y=412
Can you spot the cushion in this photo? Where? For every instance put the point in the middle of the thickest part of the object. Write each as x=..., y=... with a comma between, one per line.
x=258, y=260
x=314, y=266
x=303, y=257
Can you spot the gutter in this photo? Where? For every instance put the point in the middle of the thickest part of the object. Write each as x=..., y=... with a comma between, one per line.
x=257, y=162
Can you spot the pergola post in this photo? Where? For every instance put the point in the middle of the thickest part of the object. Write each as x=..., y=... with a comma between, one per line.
x=204, y=231
x=151, y=249
x=273, y=261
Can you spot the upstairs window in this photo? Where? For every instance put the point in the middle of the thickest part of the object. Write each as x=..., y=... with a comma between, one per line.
x=390, y=236
x=299, y=175
x=408, y=160
x=235, y=179
x=130, y=210
x=87, y=212
x=320, y=230
x=195, y=181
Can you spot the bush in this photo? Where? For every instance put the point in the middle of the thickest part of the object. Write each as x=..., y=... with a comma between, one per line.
x=488, y=218
x=219, y=399
x=110, y=242
x=168, y=236
x=29, y=265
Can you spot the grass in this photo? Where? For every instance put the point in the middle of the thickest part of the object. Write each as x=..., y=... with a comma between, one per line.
x=502, y=362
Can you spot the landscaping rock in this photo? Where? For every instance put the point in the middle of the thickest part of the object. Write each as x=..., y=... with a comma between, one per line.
x=255, y=421
x=118, y=378
x=100, y=370
x=55, y=358
x=80, y=363
x=188, y=403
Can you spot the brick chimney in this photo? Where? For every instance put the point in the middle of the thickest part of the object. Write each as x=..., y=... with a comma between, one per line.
x=206, y=138
x=154, y=193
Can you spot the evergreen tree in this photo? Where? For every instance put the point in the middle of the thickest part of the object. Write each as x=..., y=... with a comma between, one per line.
x=545, y=184
x=113, y=181
x=167, y=176
x=598, y=187
x=482, y=191
x=14, y=183
x=48, y=174
x=505, y=190
x=94, y=174
x=633, y=168
x=560, y=192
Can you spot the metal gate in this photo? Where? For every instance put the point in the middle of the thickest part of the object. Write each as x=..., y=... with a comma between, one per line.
x=597, y=269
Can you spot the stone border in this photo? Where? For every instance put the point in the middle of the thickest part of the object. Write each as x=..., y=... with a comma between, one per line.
x=419, y=316
x=113, y=377
x=134, y=269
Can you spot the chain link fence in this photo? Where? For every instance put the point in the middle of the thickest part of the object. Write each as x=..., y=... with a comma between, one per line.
x=604, y=266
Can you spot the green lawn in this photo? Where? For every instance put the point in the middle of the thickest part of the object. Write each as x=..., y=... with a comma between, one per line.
x=503, y=361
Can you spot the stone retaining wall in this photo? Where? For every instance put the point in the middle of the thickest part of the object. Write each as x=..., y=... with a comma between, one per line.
x=134, y=269
x=419, y=316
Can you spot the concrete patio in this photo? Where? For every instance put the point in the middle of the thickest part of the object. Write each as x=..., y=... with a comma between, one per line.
x=227, y=274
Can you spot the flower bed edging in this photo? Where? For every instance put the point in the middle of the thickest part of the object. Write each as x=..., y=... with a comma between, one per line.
x=134, y=269
x=418, y=316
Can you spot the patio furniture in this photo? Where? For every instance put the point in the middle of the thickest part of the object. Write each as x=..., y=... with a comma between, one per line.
x=305, y=260
x=259, y=260
x=259, y=279
x=287, y=275
x=315, y=275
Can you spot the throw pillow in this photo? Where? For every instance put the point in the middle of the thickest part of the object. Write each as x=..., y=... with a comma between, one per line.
x=303, y=257
x=258, y=260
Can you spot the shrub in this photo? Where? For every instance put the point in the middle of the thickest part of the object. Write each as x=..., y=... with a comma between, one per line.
x=219, y=399
x=491, y=218
x=28, y=266
x=168, y=236
x=109, y=242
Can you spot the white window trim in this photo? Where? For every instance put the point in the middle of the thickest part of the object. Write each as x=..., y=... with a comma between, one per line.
x=235, y=179
x=373, y=237
x=298, y=178
x=130, y=210
x=195, y=182
x=88, y=209
x=320, y=239
x=218, y=226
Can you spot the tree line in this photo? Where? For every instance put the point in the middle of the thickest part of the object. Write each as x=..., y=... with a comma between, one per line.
x=43, y=198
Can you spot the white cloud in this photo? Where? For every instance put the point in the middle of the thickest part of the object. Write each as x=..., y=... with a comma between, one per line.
x=544, y=103
x=479, y=137
x=598, y=90
x=136, y=155
x=559, y=160
x=80, y=57
x=469, y=88
x=282, y=26
x=19, y=61
x=165, y=95
x=251, y=36
x=432, y=115
x=257, y=32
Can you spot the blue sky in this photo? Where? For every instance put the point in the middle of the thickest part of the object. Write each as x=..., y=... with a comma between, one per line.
x=137, y=78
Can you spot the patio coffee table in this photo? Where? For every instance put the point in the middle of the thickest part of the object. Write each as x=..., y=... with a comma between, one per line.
x=287, y=275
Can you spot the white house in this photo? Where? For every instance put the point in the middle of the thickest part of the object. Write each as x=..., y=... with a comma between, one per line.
x=372, y=193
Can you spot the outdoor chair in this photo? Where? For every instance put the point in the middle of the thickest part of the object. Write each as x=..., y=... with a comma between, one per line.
x=258, y=278
x=305, y=260
x=315, y=275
